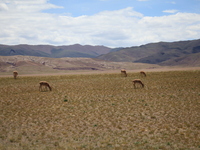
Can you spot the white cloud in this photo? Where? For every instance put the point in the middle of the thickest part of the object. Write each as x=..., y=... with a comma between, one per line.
x=124, y=27
x=127, y=12
x=171, y=2
x=3, y=7
x=171, y=11
x=26, y=5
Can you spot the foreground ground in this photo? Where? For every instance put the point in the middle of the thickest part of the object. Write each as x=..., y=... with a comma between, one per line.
x=101, y=111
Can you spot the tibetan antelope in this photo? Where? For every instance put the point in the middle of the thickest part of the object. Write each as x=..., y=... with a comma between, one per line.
x=123, y=72
x=142, y=73
x=45, y=84
x=15, y=73
x=137, y=81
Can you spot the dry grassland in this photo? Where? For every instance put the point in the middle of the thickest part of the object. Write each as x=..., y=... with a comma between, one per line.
x=101, y=111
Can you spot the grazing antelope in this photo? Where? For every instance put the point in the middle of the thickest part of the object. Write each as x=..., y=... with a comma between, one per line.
x=15, y=73
x=137, y=81
x=45, y=84
x=142, y=73
x=123, y=72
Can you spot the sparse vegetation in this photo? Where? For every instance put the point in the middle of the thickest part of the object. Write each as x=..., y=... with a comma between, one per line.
x=43, y=65
x=101, y=111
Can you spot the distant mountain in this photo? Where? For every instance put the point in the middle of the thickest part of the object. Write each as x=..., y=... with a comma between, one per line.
x=54, y=51
x=116, y=49
x=162, y=53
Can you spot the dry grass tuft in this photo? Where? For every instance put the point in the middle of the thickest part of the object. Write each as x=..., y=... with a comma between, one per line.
x=101, y=112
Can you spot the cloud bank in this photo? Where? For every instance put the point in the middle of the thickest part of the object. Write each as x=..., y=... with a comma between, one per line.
x=23, y=22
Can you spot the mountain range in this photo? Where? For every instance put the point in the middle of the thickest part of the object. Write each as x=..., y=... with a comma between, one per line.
x=76, y=50
x=161, y=53
x=179, y=53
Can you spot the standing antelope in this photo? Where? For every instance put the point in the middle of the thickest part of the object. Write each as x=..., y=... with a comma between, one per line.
x=45, y=84
x=15, y=73
x=142, y=73
x=123, y=72
x=137, y=81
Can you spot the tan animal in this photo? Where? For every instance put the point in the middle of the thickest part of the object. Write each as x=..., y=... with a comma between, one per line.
x=142, y=73
x=138, y=81
x=44, y=84
x=15, y=73
x=123, y=72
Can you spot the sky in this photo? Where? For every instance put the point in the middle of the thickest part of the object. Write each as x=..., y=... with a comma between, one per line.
x=112, y=23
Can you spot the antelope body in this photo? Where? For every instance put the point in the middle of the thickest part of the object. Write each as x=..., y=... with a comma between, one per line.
x=123, y=72
x=142, y=73
x=44, y=84
x=15, y=73
x=138, y=81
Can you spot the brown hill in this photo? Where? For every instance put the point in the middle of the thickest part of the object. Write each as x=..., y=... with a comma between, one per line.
x=162, y=53
x=45, y=65
x=192, y=60
x=54, y=51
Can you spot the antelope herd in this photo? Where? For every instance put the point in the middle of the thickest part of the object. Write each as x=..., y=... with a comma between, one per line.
x=44, y=85
x=136, y=81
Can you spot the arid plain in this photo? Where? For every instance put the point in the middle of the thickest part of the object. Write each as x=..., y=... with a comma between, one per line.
x=101, y=111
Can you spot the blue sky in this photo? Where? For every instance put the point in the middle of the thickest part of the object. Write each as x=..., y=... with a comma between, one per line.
x=112, y=23
x=146, y=7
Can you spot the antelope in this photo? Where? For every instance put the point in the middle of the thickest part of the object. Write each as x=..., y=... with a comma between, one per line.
x=142, y=73
x=45, y=84
x=123, y=72
x=15, y=73
x=137, y=81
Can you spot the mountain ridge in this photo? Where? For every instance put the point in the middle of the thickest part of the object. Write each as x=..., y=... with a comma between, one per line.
x=160, y=53
x=75, y=50
x=155, y=53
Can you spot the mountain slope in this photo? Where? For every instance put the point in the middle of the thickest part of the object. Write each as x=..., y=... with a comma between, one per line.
x=187, y=60
x=6, y=50
x=54, y=51
x=155, y=53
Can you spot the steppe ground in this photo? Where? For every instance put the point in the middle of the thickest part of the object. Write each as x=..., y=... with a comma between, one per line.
x=101, y=111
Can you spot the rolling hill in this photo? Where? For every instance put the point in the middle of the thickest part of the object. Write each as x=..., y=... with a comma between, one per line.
x=46, y=65
x=162, y=53
x=54, y=51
